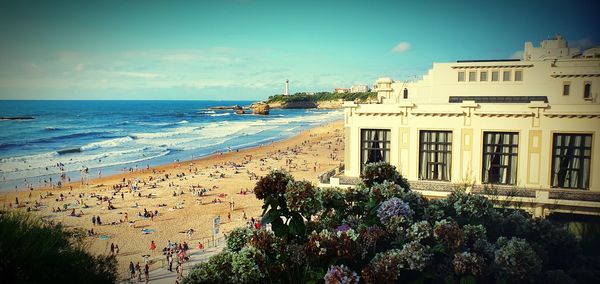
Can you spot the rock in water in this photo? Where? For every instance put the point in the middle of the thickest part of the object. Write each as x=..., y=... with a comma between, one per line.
x=240, y=111
x=260, y=108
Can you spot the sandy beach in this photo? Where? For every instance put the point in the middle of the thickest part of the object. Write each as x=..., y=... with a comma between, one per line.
x=187, y=195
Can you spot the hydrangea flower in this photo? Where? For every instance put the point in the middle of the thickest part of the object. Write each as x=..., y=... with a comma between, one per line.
x=394, y=207
x=415, y=256
x=340, y=275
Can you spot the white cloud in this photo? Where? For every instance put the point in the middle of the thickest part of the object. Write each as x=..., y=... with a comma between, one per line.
x=401, y=47
x=517, y=55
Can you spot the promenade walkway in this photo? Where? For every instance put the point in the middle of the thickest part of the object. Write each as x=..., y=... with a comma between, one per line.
x=163, y=275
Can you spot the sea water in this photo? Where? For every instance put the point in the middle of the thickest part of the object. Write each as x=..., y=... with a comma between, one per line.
x=108, y=137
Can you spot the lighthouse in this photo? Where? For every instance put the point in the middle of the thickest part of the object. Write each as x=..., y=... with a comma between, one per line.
x=287, y=87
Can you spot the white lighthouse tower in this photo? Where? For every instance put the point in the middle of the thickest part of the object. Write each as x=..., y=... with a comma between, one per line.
x=287, y=87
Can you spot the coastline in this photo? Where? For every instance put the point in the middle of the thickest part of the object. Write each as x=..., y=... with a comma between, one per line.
x=306, y=155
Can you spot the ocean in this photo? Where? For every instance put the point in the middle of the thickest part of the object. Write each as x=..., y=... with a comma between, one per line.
x=109, y=137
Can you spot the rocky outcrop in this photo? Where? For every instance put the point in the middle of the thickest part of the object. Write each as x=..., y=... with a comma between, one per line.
x=240, y=111
x=260, y=108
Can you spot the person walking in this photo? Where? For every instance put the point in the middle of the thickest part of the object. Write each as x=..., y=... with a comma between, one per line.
x=98, y=221
x=132, y=270
x=147, y=273
x=94, y=220
x=138, y=270
x=116, y=249
x=112, y=248
x=170, y=261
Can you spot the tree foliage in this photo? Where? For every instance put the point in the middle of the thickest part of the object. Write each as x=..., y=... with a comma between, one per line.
x=321, y=96
x=33, y=252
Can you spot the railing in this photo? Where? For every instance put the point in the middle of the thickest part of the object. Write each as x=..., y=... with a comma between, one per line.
x=325, y=177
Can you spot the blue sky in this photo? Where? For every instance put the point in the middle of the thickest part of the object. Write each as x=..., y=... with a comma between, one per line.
x=245, y=49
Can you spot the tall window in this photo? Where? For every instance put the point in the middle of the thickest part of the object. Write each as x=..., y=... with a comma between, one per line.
x=495, y=76
x=506, y=76
x=435, y=155
x=461, y=76
x=566, y=88
x=518, y=75
x=500, y=157
x=405, y=94
x=571, y=156
x=483, y=76
x=374, y=146
x=587, y=90
x=472, y=76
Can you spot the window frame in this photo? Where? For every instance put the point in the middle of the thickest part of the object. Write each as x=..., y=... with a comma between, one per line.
x=587, y=92
x=498, y=153
x=459, y=76
x=497, y=73
x=436, y=147
x=481, y=76
x=555, y=173
x=474, y=73
x=520, y=79
x=386, y=141
x=568, y=85
x=504, y=77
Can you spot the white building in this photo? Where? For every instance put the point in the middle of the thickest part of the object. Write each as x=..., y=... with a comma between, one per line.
x=359, y=89
x=342, y=90
x=530, y=127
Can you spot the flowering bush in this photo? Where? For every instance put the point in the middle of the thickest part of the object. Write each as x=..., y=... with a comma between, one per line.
x=379, y=172
x=301, y=196
x=272, y=185
x=449, y=234
x=419, y=231
x=381, y=232
x=238, y=238
x=394, y=208
x=468, y=263
x=415, y=256
x=341, y=275
x=244, y=265
x=516, y=259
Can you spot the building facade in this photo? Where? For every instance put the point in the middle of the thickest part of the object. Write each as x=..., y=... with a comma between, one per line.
x=359, y=89
x=342, y=90
x=530, y=125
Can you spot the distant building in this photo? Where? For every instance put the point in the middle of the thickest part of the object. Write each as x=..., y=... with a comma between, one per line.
x=359, y=89
x=342, y=90
x=530, y=126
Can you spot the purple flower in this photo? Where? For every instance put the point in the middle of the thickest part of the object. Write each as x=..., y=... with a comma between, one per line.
x=342, y=228
x=340, y=275
x=394, y=207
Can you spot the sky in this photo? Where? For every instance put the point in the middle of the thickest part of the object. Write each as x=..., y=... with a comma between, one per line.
x=246, y=49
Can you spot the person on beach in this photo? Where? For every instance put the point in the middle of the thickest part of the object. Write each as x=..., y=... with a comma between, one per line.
x=112, y=248
x=132, y=270
x=94, y=220
x=98, y=221
x=147, y=273
x=138, y=271
x=152, y=246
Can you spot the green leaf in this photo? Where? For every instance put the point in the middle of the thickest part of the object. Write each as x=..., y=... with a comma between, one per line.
x=297, y=226
x=468, y=279
x=270, y=216
x=279, y=228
